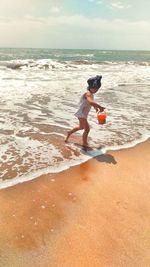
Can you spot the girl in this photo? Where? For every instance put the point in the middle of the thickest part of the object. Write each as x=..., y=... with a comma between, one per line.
x=87, y=100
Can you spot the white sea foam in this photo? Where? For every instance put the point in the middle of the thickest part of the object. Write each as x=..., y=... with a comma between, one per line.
x=38, y=103
x=63, y=166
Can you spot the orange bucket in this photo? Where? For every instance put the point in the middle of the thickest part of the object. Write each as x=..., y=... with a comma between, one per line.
x=101, y=117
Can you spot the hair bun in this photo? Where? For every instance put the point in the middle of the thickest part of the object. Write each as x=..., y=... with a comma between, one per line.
x=95, y=82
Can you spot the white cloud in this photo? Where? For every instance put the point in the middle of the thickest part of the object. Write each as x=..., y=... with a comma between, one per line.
x=20, y=8
x=99, y=2
x=75, y=32
x=96, y=1
x=128, y=6
x=119, y=5
x=55, y=10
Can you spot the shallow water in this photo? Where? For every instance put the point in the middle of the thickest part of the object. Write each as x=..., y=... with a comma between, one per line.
x=38, y=99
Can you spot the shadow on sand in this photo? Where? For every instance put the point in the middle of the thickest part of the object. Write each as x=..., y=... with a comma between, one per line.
x=95, y=153
x=107, y=158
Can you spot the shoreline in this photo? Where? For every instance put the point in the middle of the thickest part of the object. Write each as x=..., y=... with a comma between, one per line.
x=48, y=171
x=94, y=214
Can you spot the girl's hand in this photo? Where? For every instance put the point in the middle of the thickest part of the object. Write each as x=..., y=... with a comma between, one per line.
x=97, y=109
x=100, y=109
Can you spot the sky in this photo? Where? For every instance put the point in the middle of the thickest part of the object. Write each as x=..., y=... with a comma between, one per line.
x=79, y=24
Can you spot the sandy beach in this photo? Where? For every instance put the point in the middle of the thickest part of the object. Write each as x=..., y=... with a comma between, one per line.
x=96, y=214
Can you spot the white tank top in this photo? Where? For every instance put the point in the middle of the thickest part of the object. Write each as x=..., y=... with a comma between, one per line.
x=84, y=108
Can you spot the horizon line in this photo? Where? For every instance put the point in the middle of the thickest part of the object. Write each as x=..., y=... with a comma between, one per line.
x=102, y=49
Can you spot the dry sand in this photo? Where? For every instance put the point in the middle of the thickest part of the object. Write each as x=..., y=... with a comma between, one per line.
x=96, y=214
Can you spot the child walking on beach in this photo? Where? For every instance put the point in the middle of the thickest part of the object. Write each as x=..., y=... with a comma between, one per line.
x=86, y=102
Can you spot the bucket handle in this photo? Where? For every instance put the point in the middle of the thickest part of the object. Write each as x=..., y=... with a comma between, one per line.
x=98, y=112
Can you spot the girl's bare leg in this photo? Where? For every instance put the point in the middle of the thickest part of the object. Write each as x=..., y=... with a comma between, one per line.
x=85, y=133
x=83, y=124
x=75, y=129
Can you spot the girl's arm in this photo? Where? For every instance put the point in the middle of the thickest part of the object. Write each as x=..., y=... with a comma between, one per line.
x=93, y=103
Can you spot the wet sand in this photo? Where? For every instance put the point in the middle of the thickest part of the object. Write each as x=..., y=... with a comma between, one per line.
x=96, y=214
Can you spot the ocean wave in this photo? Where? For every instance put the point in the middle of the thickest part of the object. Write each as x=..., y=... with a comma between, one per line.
x=63, y=166
x=58, y=64
x=20, y=64
x=35, y=115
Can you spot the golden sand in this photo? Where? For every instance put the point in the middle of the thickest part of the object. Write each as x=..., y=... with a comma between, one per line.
x=96, y=214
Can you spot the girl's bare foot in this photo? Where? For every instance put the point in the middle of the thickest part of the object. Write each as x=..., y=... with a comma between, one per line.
x=85, y=146
x=67, y=137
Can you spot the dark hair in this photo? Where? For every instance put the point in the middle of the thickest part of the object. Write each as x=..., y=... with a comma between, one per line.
x=94, y=82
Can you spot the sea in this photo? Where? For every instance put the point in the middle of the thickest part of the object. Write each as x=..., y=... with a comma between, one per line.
x=40, y=90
